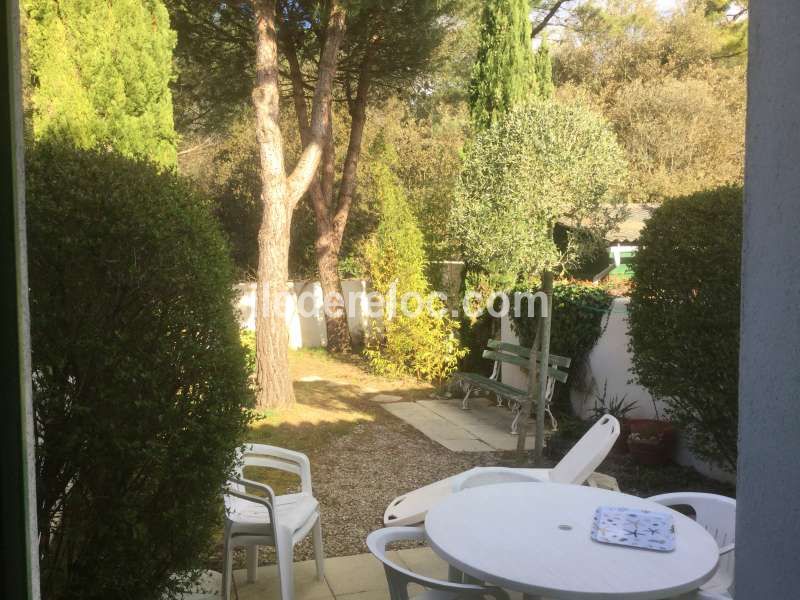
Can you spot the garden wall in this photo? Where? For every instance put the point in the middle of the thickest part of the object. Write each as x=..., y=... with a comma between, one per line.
x=308, y=330
x=610, y=363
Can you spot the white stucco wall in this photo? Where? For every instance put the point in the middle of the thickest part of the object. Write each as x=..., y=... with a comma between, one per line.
x=610, y=363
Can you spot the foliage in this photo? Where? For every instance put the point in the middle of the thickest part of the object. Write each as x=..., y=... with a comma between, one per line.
x=227, y=171
x=446, y=85
x=248, y=340
x=103, y=86
x=140, y=379
x=504, y=74
x=216, y=49
x=423, y=345
x=684, y=316
x=540, y=164
x=578, y=319
x=617, y=406
x=681, y=136
x=543, y=67
x=428, y=152
x=672, y=87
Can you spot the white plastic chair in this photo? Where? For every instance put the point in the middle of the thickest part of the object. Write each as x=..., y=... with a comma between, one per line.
x=717, y=514
x=279, y=521
x=399, y=577
x=575, y=468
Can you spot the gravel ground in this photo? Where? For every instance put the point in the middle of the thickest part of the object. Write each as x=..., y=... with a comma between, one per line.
x=362, y=457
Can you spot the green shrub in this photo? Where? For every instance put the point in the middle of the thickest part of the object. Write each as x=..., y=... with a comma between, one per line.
x=540, y=164
x=248, y=339
x=684, y=316
x=578, y=317
x=424, y=346
x=140, y=385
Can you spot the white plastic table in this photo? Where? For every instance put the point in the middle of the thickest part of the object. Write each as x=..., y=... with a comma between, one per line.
x=534, y=538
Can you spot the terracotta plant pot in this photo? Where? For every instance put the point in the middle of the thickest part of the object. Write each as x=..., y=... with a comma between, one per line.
x=621, y=445
x=653, y=442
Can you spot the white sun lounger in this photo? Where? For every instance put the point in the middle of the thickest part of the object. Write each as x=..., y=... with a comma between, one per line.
x=577, y=467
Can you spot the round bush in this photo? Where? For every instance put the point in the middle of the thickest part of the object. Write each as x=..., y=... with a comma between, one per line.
x=541, y=164
x=139, y=376
x=684, y=316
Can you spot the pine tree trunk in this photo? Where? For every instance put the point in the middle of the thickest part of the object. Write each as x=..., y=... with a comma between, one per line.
x=272, y=360
x=327, y=245
x=327, y=251
x=272, y=336
x=280, y=194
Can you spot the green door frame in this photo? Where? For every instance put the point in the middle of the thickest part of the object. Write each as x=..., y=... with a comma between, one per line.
x=19, y=569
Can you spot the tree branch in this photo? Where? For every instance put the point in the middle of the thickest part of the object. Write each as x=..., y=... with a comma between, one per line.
x=306, y=168
x=358, y=116
x=549, y=15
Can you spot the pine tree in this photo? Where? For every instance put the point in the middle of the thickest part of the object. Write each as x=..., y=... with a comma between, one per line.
x=100, y=74
x=504, y=73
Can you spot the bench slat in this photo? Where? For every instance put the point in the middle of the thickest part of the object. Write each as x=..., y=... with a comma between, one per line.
x=554, y=360
x=523, y=363
x=491, y=385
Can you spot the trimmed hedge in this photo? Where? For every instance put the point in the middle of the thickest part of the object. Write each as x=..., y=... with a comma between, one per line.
x=684, y=316
x=139, y=376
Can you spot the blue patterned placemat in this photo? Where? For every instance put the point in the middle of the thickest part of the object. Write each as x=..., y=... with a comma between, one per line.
x=634, y=527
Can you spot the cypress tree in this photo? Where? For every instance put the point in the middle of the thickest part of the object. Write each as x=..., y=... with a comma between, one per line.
x=100, y=73
x=543, y=69
x=504, y=72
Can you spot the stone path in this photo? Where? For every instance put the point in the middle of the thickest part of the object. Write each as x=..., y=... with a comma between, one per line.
x=483, y=428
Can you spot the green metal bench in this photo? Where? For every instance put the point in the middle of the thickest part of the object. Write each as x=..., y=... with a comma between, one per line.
x=503, y=352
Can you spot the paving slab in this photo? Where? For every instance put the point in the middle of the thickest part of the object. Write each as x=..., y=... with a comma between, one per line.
x=484, y=428
x=358, y=577
x=357, y=574
x=470, y=445
x=386, y=398
x=267, y=585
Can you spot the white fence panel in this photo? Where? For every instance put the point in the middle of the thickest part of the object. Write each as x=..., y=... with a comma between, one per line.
x=306, y=323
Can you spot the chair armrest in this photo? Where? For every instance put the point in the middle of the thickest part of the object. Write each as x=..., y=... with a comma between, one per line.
x=255, y=484
x=727, y=549
x=273, y=457
x=268, y=502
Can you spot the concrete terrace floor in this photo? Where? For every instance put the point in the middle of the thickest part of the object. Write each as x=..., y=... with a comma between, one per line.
x=359, y=577
x=485, y=427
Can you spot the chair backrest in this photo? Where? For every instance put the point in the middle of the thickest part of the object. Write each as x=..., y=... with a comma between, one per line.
x=399, y=577
x=717, y=514
x=587, y=454
x=490, y=475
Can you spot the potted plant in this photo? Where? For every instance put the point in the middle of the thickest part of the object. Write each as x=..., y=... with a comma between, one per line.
x=617, y=407
x=651, y=441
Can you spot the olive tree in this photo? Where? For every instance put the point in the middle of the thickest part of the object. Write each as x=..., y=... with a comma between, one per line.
x=541, y=164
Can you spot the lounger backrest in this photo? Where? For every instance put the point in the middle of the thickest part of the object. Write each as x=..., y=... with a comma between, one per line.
x=587, y=454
